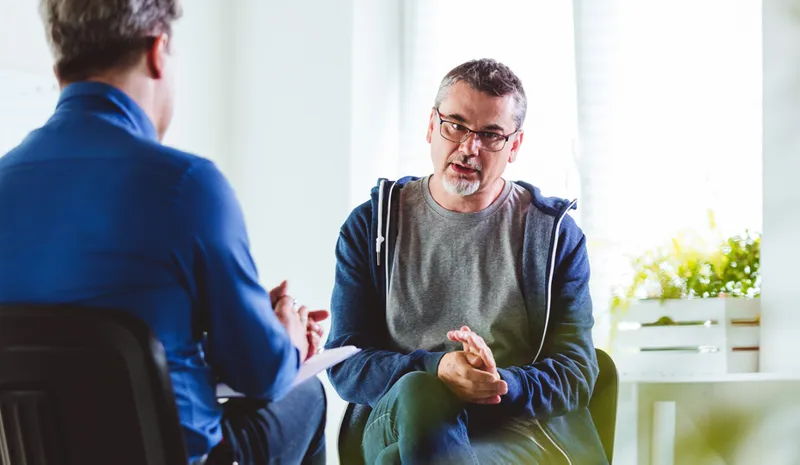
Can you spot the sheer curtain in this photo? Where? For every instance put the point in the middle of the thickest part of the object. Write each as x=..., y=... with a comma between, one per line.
x=669, y=103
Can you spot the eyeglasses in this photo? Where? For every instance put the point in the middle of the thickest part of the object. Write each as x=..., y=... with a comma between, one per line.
x=458, y=133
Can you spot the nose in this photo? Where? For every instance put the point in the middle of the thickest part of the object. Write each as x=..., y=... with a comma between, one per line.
x=470, y=145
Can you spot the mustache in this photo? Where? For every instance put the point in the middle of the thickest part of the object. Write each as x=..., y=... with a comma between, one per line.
x=469, y=162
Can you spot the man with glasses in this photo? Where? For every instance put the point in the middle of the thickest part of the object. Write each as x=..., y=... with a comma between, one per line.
x=470, y=297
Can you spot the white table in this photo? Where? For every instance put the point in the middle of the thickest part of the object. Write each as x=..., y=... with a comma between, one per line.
x=743, y=418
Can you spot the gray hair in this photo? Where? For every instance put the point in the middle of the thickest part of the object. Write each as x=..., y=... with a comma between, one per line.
x=93, y=36
x=491, y=77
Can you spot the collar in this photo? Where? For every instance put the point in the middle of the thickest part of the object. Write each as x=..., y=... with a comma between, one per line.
x=109, y=103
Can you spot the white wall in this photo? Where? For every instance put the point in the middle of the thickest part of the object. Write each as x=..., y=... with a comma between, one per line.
x=23, y=38
x=289, y=136
x=780, y=256
x=290, y=126
x=202, y=101
x=376, y=76
x=28, y=89
x=199, y=123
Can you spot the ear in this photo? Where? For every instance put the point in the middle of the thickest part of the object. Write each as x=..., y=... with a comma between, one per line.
x=431, y=124
x=517, y=142
x=156, y=56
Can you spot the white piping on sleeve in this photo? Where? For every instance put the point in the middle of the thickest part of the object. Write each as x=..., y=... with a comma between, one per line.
x=550, y=276
x=388, y=231
x=379, y=240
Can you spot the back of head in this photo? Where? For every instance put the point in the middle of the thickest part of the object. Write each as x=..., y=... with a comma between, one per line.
x=488, y=76
x=92, y=37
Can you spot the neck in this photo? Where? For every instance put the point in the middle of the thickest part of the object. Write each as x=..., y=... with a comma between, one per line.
x=476, y=202
x=137, y=88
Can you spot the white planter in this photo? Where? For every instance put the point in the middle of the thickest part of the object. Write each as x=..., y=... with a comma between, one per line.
x=706, y=337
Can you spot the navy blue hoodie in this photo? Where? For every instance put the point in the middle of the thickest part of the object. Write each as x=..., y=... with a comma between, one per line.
x=554, y=388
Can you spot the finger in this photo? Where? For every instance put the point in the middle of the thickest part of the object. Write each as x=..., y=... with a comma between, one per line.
x=314, y=327
x=478, y=344
x=284, y=306
x=314, y=344
x=477, y=376
x=473, y=359
x=487, y=400
x=302, y=312
x=318, y=315
x=480, y=390
x=277, y=293
x=486, y=353
x=458, y=336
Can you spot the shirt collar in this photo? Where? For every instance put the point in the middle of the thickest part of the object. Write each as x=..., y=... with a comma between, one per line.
x=109, y=102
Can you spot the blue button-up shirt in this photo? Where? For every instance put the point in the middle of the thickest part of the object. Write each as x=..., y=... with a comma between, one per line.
x=95, y=211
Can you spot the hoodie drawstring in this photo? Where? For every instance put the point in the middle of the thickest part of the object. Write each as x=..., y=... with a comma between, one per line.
x=380, y=239
x=388, y=223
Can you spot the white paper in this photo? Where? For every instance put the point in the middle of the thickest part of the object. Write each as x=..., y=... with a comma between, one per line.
x=309, y=369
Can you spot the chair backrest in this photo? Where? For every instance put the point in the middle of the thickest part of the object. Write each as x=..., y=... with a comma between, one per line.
x=84, y=386
x=603, y=404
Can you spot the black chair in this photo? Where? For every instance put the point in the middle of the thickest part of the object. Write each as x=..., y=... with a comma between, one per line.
x=602, y=406
x=84, y=387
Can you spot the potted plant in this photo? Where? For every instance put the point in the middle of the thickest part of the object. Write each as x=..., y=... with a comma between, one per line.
x=690, y=308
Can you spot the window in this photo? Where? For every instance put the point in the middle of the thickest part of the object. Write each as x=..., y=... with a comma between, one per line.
x=669, y=101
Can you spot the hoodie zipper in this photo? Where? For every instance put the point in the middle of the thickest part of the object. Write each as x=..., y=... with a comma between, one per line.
x=547, y=314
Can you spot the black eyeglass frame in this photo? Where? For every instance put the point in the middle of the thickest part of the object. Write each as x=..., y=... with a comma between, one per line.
x=505, y=137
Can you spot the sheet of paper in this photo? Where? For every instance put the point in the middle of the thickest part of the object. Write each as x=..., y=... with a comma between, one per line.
x=309, y=369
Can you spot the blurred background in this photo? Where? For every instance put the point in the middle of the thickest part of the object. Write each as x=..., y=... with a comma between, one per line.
x=674, y=123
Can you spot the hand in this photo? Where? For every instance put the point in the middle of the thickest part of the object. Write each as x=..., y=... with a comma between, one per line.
x=457, y=370
x=314, y=331
x=295, y=322
x=475, y=344
x=278, y=292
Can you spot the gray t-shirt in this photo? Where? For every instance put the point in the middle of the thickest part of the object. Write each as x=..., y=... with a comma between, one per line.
x=452, y=269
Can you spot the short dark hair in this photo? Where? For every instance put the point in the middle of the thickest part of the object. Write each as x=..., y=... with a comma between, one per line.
x=491, y=77
x=89, y=37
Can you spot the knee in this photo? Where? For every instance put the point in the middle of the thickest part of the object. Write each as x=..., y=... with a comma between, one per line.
x=312, y=393
x=423, y=391
x=419, y=383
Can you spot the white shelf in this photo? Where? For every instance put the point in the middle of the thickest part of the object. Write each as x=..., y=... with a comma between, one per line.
x=722, y=378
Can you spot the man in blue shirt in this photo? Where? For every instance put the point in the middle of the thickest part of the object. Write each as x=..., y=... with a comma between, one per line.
x=96, y=212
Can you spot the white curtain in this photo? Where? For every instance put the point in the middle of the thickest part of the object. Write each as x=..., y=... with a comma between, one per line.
x=669, y=103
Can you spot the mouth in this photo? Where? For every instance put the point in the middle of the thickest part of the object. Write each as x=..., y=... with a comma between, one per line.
x=462, y=169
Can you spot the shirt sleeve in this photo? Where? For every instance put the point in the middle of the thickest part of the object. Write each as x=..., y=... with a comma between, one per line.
x=246, y=345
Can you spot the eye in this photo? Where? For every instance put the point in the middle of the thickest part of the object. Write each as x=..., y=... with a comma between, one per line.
x=457, y=127
x=491, y=136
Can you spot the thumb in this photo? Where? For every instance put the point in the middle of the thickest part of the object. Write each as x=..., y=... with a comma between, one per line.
x=276, y=294
x=474, y=359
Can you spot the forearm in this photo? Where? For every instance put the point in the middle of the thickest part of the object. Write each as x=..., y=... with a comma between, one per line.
x=552, y=387
x=368, y=375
